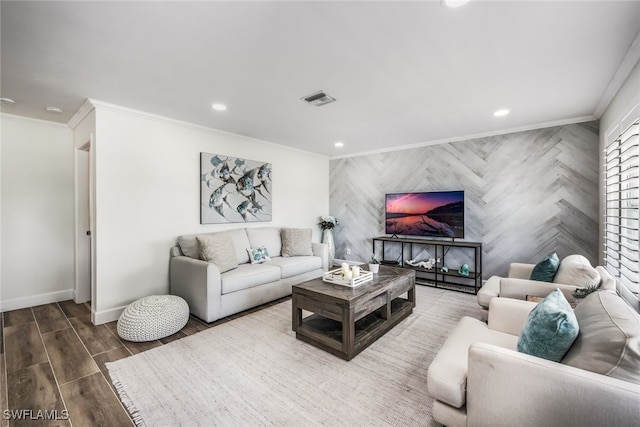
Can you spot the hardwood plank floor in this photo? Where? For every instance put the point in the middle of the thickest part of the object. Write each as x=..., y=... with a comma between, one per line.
x=50, y=318
x=69, y=358
x=53, y=358
x=34, y=389
x=30, y=351
x=91, y=402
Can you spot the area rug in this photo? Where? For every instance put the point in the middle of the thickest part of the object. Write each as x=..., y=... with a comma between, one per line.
x=253, y=371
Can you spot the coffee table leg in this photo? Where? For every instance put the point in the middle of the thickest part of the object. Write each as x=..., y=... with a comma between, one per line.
x=296, y=312
x=348, y=332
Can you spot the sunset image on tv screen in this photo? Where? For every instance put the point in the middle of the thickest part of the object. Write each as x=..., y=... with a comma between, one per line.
x=438, y=214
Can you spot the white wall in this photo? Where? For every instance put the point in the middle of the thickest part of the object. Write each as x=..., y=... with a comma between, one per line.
x=37, y=212
x=148, y=193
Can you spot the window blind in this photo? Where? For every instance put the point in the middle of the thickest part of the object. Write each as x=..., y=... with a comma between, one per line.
x=622, y=208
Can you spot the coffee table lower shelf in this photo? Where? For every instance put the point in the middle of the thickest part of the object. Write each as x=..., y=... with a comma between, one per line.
x=328, y=334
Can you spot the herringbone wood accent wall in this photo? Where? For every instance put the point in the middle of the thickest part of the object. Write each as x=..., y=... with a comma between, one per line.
x=526, y=193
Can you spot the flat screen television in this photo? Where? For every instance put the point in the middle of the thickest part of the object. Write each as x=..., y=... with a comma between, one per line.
x=429, y=214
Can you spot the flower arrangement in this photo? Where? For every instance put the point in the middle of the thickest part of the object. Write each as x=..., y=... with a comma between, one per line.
x=374, y=259
x=328, y=222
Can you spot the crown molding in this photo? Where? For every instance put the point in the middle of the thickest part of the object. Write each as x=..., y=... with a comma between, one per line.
x=84, y=110
x=163, y=119
x=571, y=121
x=622, y=73
x=31, y=119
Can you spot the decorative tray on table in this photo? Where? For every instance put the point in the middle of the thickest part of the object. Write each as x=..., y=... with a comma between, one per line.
x=335, y=276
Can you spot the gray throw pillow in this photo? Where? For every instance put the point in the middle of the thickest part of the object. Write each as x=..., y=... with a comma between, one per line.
x=218, y=249
x=296, y=242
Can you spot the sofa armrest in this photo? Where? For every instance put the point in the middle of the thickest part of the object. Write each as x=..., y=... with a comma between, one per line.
x=322, y=250
x=520, y=288
x=199, y=283
x=505, y=387
x=519, y=270
x=509, y=315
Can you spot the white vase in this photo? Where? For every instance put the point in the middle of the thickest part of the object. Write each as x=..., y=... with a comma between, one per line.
x=327, y=237
x=374, y=268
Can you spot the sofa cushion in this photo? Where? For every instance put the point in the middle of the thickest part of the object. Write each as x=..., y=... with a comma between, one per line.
x=292, y=266
x=189, y=246
x=296, y=242
x=577, y=271
x=258, y=255
x=218, y=249
x=609, y=339
x=269, y=237
x=550, y=329
x=447, y=374
x=248, y=276
x=240, y=244
x=545, y=270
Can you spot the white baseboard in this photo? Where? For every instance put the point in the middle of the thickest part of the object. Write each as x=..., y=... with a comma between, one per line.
x=106, y=316
x=33, y=300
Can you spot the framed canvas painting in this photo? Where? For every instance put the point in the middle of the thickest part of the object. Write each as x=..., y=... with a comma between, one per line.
x=234, y=190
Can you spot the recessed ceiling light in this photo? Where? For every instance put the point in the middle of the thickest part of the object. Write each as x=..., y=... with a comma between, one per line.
x=7, y=102
x=219, y=107
x=501, y=113
x=339, y=144
x=454, y=3
x=54, y=110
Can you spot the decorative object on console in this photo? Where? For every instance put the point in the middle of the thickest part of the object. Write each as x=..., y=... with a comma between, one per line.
x=545, y=270
x=374, y=264
x=427, y=265
x=445, y=269
x=464, y=270
x=234, y=190
x=327, y=223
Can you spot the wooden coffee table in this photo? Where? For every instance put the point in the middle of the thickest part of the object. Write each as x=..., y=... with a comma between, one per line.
x=347, y=320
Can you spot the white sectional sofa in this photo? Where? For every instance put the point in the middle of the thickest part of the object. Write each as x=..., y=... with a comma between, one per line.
x=212, y=294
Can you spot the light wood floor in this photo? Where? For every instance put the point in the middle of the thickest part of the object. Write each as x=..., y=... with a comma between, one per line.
x=52, y=358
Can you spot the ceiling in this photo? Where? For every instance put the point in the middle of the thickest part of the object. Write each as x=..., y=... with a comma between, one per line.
x=403, y=73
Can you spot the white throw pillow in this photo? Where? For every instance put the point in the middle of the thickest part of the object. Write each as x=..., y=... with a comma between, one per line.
x=218, y=249
x=577, y=271
x=296, y=242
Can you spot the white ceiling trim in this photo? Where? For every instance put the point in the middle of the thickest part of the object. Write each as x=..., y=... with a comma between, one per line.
x=84, y=110
x=469, y=137
x=163, y=119
x=31, y=119
x=622, y=73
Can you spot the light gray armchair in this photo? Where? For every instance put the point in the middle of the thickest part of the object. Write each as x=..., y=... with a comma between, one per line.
x=574, y=272
x=479, y=379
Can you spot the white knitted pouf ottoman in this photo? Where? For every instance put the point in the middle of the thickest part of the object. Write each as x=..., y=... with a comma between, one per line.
x=154, y=317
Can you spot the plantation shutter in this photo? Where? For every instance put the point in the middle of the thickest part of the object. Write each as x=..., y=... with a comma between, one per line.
x=622, y=206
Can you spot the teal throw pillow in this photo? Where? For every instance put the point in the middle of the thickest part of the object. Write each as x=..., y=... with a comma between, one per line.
x=258, y=255
x=550, y=330
x=545, y=270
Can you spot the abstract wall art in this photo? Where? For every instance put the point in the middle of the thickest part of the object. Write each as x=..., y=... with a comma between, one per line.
x=234, y=190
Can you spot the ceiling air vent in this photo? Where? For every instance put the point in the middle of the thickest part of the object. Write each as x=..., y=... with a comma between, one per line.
x=318, y=99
